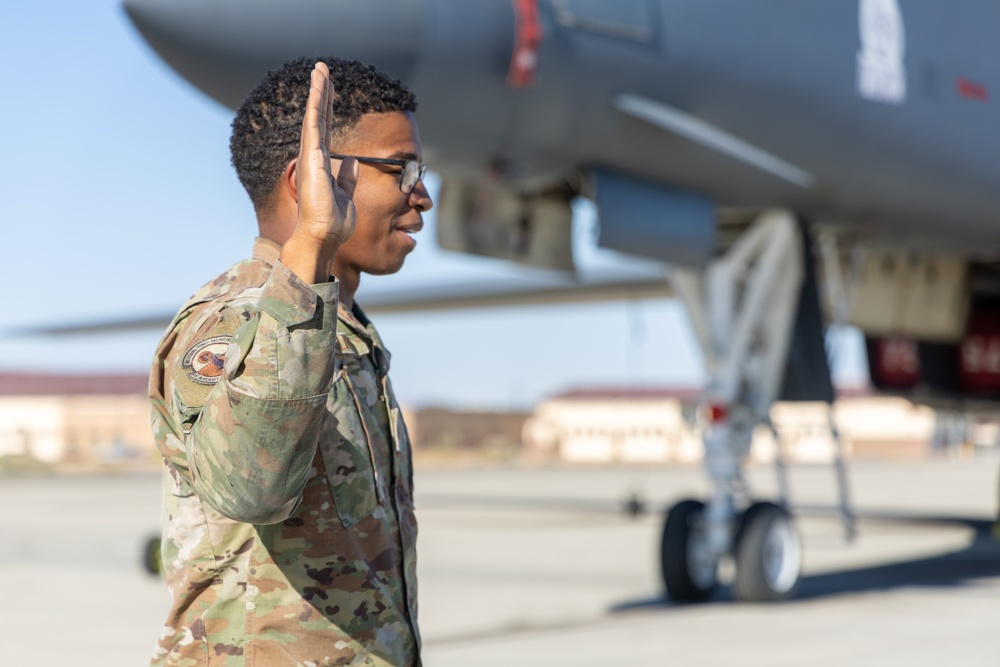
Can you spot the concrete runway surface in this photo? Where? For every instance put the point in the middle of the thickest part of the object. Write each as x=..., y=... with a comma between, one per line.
x=539, y=566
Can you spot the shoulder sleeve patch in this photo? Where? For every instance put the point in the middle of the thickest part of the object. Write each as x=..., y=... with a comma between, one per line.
x=204, y=360
x=200, y=366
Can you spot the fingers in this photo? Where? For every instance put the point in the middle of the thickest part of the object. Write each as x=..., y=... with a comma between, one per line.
x=330, y=93
x=315, y=125
x=326, y=104
x=347, y=176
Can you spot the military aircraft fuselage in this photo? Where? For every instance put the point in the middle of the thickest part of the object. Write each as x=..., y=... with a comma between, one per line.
x=871, y=114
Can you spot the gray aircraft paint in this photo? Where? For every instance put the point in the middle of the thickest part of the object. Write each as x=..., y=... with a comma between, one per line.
x=779, y=75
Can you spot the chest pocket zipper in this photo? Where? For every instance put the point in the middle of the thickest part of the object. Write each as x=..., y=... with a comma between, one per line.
x=376, y=475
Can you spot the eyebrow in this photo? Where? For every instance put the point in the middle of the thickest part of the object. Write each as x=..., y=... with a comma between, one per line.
x=404, y=155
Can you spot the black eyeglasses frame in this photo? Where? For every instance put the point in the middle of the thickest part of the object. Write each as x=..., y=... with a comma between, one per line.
x=413, y=170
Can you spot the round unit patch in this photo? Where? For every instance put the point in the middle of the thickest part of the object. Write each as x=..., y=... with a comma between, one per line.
x=206, y=359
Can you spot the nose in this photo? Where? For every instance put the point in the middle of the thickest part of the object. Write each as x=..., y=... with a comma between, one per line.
x=225, y=46
x=420, y=199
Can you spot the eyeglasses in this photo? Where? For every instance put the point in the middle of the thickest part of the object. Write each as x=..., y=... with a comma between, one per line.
x=413, y=171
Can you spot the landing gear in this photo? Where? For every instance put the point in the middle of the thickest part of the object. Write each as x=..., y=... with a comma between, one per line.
x=742, y=307
x=768, y=555
x=151, y=556
x=996, y=526
x=688, y=566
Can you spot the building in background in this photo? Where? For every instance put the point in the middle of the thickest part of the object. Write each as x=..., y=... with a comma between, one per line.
x=445, y=430
x=87, y=420
x=870, y=426
x=617, y=425
x=76, y=419
x=660, y=426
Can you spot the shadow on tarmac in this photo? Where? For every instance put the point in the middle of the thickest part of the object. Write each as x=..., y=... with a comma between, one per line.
x=980, y=559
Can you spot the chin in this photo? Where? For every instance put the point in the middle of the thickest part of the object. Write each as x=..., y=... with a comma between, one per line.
x=385, y=269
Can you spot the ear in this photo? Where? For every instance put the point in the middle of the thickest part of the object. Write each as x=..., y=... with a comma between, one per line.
x=288, y=179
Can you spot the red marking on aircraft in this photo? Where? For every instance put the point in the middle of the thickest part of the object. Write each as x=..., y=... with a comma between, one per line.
x=897, y=363
x=527, y=43
x=972, y=90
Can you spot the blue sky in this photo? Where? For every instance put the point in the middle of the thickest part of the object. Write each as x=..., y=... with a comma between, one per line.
x=118, y=200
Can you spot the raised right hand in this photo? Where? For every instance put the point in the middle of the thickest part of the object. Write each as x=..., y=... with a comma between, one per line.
x=326, y=215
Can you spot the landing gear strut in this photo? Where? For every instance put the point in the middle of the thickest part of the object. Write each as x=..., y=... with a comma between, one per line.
x=742, y=308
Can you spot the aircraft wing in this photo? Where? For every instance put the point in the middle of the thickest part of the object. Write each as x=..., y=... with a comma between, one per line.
x=494, y=293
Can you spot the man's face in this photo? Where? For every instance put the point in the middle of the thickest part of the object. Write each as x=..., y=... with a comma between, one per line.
x=386, y=217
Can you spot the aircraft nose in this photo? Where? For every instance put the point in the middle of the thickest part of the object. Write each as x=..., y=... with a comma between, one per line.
x=224, y=46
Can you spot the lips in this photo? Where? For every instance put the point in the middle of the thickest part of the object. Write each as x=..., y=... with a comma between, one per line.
x=411, y=228
x=406, y=231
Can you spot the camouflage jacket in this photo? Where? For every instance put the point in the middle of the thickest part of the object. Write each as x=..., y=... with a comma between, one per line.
x=289, y=533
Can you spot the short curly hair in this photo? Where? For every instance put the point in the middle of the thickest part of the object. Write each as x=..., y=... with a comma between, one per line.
x=268, y=124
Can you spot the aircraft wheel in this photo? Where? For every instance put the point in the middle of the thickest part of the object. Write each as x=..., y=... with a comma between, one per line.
x=768, y=555
x=151, y=562
x=996, y=526
x=689, y=570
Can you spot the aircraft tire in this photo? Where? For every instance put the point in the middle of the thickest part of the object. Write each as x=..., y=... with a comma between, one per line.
x=151, y=562
x=686, y=577
x=768, y=554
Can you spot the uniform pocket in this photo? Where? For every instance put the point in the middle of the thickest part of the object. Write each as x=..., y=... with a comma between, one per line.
x=175, y=484
x=347, y=455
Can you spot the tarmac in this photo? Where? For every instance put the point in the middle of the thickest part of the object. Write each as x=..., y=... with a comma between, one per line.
x=541, y=566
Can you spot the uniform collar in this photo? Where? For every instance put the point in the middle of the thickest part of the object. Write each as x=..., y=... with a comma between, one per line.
x=266, y=250
x=355, y=322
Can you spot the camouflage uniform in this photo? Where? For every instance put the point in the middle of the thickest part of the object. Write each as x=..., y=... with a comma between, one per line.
x=289, y=531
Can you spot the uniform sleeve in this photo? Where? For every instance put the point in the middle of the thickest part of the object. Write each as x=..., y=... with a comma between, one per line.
x=250, y=386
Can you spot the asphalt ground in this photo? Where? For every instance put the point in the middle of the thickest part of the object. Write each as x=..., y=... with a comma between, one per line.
x=541, y=566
